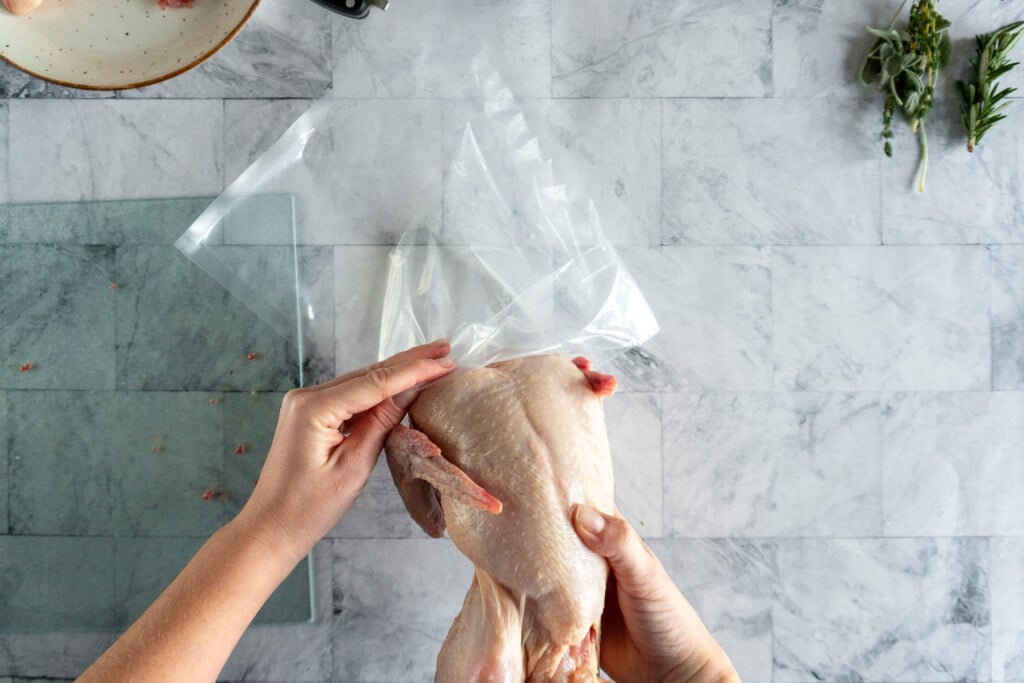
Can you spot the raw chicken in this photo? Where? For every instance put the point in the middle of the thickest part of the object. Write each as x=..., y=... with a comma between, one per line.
x=499, y=456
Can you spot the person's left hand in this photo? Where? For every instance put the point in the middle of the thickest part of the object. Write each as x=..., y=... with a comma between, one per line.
x=327, y=441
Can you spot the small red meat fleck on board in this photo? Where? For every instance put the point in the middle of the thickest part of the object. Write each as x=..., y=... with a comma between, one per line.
x=164, y=4
x=240, y=449
x=113, y=285
x=251, y=356
x=211, y=493
x=27, y=366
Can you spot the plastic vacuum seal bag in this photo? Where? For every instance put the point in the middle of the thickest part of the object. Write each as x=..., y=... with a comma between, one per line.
x=511, y=271
x=503, y=266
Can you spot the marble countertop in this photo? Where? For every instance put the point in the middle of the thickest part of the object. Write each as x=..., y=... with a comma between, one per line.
x=834, y=482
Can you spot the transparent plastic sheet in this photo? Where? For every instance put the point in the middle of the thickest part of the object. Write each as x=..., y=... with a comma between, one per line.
x=511, y=272
x=508, y=268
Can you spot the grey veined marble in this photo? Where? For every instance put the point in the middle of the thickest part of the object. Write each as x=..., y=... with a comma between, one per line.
x=823, y=444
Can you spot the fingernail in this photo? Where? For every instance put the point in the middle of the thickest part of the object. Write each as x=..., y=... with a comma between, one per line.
x=590, y=519
x=446, y=362
x=439, y=342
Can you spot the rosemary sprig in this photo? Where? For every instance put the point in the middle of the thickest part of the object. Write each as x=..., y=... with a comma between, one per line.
x=907, y=64
x=982, y=103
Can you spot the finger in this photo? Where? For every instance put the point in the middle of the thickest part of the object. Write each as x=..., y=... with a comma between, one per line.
x=435, y=349
x=612, y=537
x=335, y=404
x=367, y=434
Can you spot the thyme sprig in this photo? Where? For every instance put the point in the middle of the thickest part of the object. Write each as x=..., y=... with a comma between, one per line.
x=982, y=102
x=907, y=65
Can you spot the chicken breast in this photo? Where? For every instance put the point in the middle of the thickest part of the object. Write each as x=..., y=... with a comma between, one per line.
x=499, y=456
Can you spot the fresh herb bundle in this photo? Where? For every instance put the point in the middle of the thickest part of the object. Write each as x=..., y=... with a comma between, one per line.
x=907, y=65
x=982, y=101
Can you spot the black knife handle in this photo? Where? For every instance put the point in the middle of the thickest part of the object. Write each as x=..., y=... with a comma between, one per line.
x=354, y=9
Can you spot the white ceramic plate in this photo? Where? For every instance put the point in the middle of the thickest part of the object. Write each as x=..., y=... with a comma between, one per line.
x=115, y=44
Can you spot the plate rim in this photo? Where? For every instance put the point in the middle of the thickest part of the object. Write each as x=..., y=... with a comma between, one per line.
x=152, y=81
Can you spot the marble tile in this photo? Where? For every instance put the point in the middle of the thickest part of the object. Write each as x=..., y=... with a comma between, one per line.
x=969, y=17
x=287, y=653
x=15, y=83
x=595, y=156
x=640, y=370
x=50, y=492
x=284, y=654
x=160, y=494
x=360, y=275
x=114, y=149
x=772, y=465
x=1004, y=12
x=47, y=583
x=406, y=592
x=4, y=182
x=163, y=302
x=141, y=463
x=57, y=313
x=952, y=464
x=52, y=655
x=747, y=178
x=147, y=566
x=634, y=433
x=378, y=512
x=251, y=127
x=1007, y=599
x=424, y=49
x=283, y=51
x=249, y=421
x=1008, y=317
x=5, y=429
x=943, y=214
x=645, y=48
x=881, y=610
x=372, y=168
x=730, y=584
x=870, y=318
x=290, y=288
x=135, y=221
x=818, y=46
x=715, y=311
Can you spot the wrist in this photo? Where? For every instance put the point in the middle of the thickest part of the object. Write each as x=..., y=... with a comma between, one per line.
x=265, y=531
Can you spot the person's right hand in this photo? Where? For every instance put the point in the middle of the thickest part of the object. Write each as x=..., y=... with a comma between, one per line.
x=649, y=632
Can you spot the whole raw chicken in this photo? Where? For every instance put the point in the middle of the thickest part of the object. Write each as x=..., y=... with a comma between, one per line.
x=500, y=455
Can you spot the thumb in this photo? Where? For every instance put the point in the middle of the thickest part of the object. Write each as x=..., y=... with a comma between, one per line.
x=612, y=537
x=368, y=432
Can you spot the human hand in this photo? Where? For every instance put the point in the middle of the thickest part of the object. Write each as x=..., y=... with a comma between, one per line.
x=326, y=443
x=649, y=632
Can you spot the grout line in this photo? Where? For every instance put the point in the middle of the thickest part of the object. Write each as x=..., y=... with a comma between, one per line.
x=551, y=49
x=660, y=401
x=991, y=323
x=223, y=144
x=9, y=438
x=7, y=142
x=661, y=202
